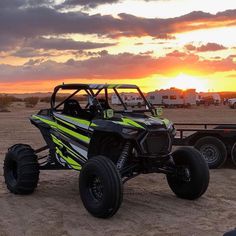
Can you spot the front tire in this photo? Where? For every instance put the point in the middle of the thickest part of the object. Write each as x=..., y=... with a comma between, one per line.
x=21, y=169
x=101, y=187
x=192, y=177
x=213, y=150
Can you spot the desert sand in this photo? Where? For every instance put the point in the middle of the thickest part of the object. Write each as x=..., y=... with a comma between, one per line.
x=149, y=206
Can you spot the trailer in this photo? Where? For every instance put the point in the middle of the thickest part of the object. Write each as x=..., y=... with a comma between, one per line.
x=208, y=98
x=215, y=141
x=173, y=97
x=130, y=99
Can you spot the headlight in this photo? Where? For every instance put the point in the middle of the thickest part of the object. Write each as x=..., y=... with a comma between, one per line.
x=129, y=131
x=172, y=129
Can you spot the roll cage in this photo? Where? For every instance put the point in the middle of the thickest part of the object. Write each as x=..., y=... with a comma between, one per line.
x=93, y=90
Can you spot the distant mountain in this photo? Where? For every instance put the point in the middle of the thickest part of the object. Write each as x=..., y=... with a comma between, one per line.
x=25, y=95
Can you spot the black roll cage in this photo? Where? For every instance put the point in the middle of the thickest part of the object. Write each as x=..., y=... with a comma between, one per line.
x=89, y=89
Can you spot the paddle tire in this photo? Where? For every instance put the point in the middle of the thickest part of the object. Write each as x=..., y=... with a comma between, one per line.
x=21, y=169
x=213, y=150
x=101, y=187
x=192, y=178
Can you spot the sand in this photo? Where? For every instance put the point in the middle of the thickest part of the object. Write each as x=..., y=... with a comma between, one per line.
x=149, y=206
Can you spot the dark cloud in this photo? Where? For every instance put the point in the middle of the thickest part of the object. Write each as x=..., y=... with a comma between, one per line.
x=146, y=53
x=8, y=43
x=176, y=53
x=92, y=3
x=31, y=45
x=27, y=52
x=210, y=47
x=216, y=58
x=80, y=53
x=45, y=47
x=205, y=47
x=190, y=47
x=10, y=4
x=64, y=44
x=33, y=62
x=121, y=66
x=4, y=4
x=85, y=3
x=39, y=21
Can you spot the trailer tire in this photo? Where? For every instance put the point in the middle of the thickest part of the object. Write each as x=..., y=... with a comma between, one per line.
x=213, y=150
x=233, y=154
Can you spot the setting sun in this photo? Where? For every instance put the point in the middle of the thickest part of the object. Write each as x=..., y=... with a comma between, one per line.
x=183, y=81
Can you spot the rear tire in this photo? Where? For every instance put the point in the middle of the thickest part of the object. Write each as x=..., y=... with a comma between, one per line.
x=213, y=150
x=21, y=169
x=233, y=154
x=194, y=180
x=101, y=187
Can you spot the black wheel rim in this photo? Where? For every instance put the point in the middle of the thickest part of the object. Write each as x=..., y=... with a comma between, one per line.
x=96, y=188
x=184, y=174
x=210, y=153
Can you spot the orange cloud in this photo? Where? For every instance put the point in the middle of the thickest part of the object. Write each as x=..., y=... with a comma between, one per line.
x=120, y=66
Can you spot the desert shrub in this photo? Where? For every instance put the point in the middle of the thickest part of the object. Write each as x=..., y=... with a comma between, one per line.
x=45, y=99
x=15, y=99
x=60, y=98
x=5, y=102
x=31, y=102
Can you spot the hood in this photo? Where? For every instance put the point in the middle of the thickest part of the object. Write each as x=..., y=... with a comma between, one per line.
x=142, y=121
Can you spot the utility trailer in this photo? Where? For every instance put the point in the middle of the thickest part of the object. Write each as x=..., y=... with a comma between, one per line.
x=215, y=141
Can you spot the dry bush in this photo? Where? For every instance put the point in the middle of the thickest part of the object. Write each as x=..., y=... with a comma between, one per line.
x=45, y=99
x=31, y=102
x=5, y=102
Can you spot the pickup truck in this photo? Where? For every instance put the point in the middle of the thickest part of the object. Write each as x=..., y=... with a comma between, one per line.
x=232, y=103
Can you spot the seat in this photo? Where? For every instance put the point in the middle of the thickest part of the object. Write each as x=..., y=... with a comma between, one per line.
x=104, y=104
x=72, y=108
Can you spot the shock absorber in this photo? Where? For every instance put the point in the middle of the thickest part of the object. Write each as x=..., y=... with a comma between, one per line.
x=124, y=155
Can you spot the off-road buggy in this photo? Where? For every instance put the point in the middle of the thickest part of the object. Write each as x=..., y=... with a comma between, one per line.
x=107, y=144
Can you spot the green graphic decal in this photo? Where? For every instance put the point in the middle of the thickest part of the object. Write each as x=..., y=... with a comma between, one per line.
x=69, y=160
x=131, y=122
x=63, y=129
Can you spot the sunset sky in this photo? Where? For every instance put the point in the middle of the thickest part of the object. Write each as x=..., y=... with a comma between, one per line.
x=152, y=43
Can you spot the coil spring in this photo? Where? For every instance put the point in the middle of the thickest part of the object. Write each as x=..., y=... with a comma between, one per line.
x=124, y=155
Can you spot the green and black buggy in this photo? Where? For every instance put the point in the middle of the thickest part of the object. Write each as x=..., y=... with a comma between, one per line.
x=108, y=143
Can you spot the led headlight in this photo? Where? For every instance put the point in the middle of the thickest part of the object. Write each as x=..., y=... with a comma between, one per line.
x=172, y=129
x=129, y=131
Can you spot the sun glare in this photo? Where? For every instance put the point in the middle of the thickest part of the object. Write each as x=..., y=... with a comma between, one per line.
x=183, y=81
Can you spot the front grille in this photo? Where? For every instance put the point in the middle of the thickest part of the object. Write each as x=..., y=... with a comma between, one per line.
x=157, y=143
